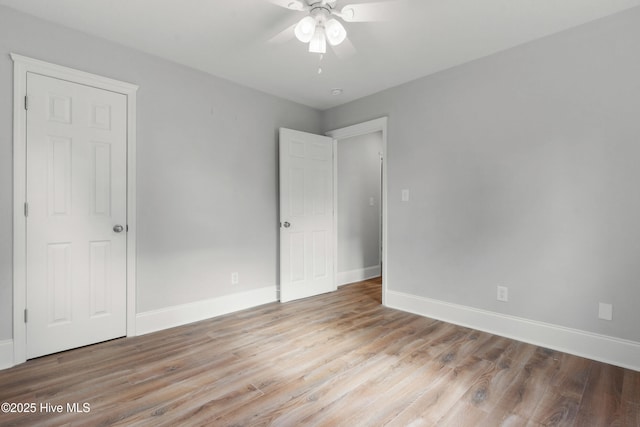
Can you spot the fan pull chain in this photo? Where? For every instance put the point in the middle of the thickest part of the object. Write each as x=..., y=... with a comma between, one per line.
x=320, y=64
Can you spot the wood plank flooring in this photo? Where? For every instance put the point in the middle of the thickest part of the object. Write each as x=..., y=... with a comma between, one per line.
x=339, y=359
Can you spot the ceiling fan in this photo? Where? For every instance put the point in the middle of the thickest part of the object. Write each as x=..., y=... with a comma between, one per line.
x=322, y=25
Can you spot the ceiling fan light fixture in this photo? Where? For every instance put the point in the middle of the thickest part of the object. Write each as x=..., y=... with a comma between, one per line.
x=305, y=29
x=318, y=43
x=335, y=32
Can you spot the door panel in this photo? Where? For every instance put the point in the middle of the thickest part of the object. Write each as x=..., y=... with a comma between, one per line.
x=58, y=283
x=306, y=215
x=99, y=280
x=76, y=191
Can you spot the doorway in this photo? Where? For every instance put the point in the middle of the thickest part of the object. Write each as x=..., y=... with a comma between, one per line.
x=359, y=208
x=61, y=281
x=356, y=259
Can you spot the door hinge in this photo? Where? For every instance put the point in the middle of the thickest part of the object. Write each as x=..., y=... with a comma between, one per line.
x=26, y=209
x=26, y=102
x=25, y=315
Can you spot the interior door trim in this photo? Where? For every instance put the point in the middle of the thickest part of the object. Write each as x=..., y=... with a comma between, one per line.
x=21, y=66
x=371, y=126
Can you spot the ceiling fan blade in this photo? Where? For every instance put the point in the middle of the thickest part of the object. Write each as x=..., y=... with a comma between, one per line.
x=284, y=35
x=369, y=12
x=367, y=1
x=298, y=5
x=344, y=50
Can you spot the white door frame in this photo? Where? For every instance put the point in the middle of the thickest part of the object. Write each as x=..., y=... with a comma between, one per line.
x=21, y=66
x=376, y=125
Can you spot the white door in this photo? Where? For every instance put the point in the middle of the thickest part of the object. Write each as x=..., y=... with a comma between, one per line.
x=76, y=195
x=306, y=215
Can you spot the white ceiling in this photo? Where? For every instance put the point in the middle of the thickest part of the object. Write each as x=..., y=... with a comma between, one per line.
x=229, y=38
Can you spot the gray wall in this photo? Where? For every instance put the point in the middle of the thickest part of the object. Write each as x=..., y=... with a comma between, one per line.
x=523, y=171
x=207, y=167
x=358, y=221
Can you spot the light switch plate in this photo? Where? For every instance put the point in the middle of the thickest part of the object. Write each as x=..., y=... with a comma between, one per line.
x=502, y=294
x=405, y=195
x=605, y=311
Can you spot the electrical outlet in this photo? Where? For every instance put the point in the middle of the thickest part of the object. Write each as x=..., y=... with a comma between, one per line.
x=605, y=311
x=234, y=278
x=503, y=293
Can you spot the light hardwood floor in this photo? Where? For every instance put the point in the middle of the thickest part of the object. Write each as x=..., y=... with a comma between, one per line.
x=339, y=359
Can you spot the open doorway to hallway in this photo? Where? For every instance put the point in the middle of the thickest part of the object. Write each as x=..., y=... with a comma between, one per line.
x=359, y=208
x=360, y=202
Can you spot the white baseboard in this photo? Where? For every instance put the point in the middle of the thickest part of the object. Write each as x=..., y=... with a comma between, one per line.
x=345, y=277
x=602, y=348
x=6, y=354
x=157, y=320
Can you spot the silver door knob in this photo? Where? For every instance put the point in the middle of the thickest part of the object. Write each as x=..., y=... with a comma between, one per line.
x=286, y=225
x=118, y=228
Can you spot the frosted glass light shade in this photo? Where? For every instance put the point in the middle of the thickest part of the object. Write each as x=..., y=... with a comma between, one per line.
x=318, y=43
x=335, y=32
x=305, y=29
